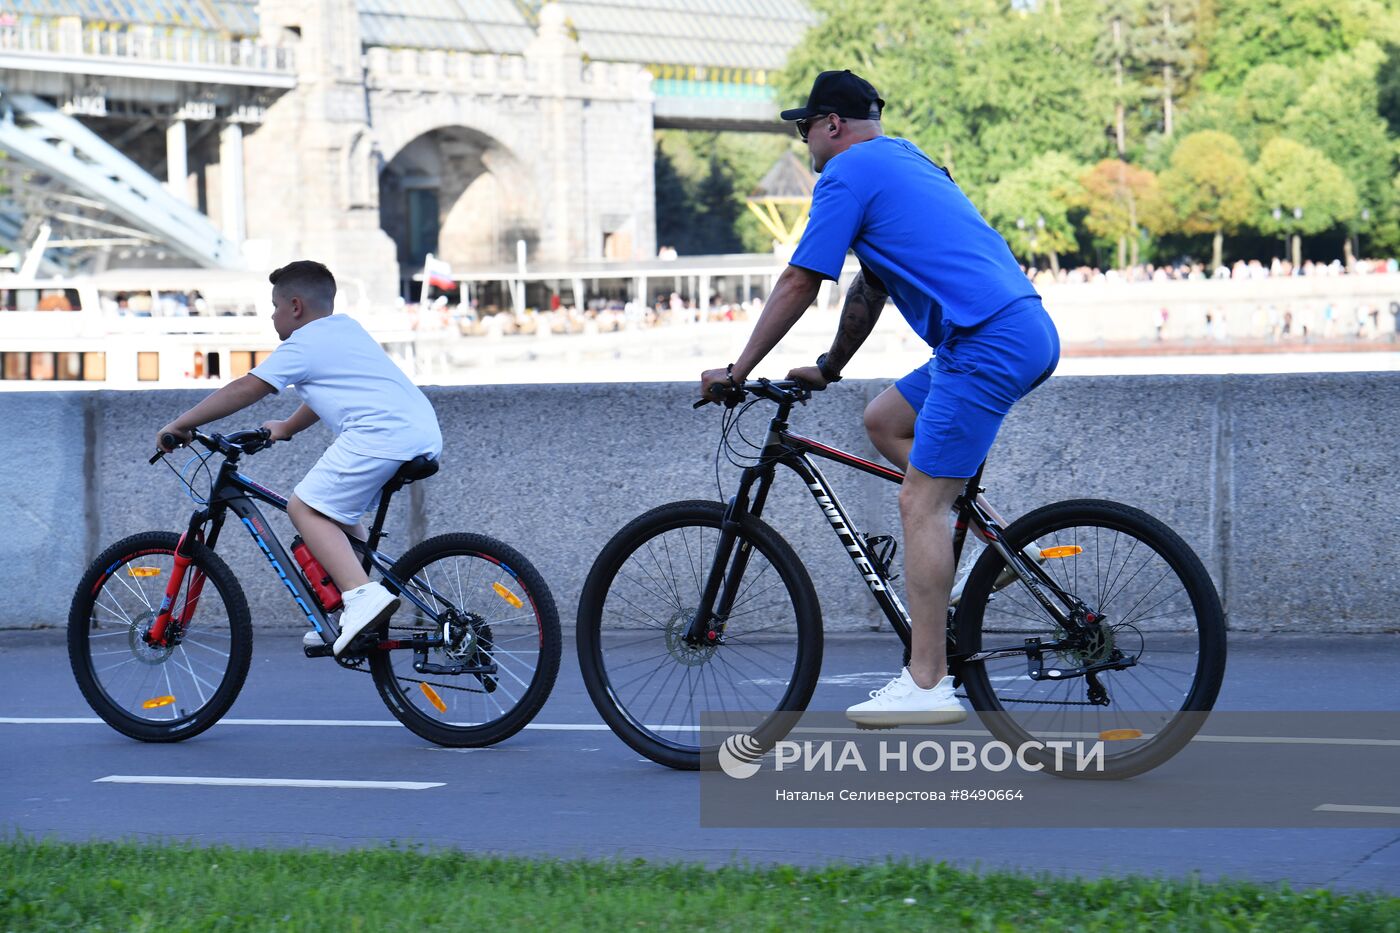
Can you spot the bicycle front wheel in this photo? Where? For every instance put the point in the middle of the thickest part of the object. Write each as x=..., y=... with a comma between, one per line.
x=1159, y=611
x=159, y=693
x=501, y=648
x=648, y=683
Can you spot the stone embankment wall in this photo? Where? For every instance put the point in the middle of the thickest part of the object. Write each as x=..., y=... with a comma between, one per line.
x=1285, y=485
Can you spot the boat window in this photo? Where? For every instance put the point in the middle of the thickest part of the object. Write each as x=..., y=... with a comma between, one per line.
x=147, y=366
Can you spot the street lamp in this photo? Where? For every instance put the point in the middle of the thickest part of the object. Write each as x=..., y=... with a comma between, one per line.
x=1021, y=225
x=1297, y=239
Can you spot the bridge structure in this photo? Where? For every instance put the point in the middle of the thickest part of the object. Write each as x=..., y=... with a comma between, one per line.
x=238, y=134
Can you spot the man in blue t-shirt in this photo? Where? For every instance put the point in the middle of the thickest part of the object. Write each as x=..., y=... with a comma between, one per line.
x=921, y=243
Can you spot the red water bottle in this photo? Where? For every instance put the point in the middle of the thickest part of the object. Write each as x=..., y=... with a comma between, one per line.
x=322, y=586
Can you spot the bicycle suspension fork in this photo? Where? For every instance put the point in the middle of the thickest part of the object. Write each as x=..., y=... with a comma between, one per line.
x=727, y=570
x=160, y=631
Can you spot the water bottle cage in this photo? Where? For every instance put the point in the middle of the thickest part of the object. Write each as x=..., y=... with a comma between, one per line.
x=883, y=547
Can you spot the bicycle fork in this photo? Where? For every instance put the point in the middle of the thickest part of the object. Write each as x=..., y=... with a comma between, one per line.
x=727, y=569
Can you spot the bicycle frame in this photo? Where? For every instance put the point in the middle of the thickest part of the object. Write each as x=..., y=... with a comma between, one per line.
x=797, y=453
x=234, y=491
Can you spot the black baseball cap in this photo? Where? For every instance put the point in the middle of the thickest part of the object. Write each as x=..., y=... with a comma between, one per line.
x=842, y=93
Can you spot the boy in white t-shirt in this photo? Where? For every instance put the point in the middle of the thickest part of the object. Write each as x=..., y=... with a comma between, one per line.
x=379, y=417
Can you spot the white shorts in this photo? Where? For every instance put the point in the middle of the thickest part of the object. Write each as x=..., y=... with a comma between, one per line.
x=344, y=485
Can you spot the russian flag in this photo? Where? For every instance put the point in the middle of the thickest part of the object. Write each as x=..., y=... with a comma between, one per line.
x=438, y=273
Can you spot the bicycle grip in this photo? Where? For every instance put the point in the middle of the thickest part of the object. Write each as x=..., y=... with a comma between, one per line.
x=169, y=441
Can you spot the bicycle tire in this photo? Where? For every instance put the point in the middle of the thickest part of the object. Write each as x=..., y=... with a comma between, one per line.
x=472, y=714
x=143, y=678
x=1162, y=704
x=604, y=650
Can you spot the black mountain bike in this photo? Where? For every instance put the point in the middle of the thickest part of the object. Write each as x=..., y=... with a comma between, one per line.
x=1084, y=618
x=160, y=639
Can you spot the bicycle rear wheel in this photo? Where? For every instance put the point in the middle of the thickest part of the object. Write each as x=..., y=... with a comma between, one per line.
x=648, y=684
x=159, y=694
x=1160, y=610
x=499, y=614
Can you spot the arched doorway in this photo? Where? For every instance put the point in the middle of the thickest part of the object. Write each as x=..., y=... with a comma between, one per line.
x=459, y=194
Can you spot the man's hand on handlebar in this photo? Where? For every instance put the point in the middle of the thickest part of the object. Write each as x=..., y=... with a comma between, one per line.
x=715, y=382
x=810, y=376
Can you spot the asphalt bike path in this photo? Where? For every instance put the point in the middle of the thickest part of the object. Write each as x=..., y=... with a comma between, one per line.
x=308, y=756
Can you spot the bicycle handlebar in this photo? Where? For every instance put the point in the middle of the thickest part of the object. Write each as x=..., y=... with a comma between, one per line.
x=239, y=442
x=786, y=391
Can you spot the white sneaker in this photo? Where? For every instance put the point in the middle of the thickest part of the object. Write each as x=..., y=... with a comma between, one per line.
x=366, y=607
x=901, y=702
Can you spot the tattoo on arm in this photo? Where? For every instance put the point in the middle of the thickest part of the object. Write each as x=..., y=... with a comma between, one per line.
x=864, y=302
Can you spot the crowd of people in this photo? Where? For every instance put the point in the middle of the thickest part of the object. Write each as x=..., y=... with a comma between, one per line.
x=601, y=316
x=1195, y=271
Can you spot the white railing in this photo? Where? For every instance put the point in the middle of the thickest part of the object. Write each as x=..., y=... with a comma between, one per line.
x=503, y=72
x=71, y=38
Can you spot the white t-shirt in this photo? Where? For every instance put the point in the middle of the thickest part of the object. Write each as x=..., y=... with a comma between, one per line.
x=349, y=382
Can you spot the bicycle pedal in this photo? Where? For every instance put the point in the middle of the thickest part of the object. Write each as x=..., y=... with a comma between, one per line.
x=319, y=651
x=364, y=643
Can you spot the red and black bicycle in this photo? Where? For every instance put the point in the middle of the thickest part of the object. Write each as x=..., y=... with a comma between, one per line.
x=160, y=639
x=1085, y=618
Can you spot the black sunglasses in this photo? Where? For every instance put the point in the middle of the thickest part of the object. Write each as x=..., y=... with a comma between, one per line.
x=804, y=126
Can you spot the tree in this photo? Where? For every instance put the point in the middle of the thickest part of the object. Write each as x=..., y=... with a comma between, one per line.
x=1032, y=88
x=702, y=179
x=984, y=92
x=1388, y=89
x=1123, y=200
x=1339, y=116
x=1030, y=207
x=1208, y=187
x=1299, y=191
x=1119, y=51
x=1245, y=34
x=675, y=215
x=1262, y=107
x=918, y=69
x=718, y=211
x=1169, y=30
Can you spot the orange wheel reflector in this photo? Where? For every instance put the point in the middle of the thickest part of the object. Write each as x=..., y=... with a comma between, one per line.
x=143, y=571
x=157, y=702
x=507, y=595
x=1068, y=550
x=433, y=697
x=1120, y=735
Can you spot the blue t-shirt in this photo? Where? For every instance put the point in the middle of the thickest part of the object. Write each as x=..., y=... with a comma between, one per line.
x=913, y=228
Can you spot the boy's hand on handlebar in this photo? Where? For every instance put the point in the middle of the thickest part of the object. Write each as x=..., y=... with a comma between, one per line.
x=810, y=376
x=181, y=434
x=277, y=431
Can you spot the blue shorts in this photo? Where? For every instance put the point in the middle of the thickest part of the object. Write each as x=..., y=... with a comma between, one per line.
x=963, y=393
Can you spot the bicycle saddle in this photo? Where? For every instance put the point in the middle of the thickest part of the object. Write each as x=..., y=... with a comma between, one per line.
x=420, y=467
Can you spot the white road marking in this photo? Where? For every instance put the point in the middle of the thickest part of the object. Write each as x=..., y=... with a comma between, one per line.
x=1354, y=808
x=1294, y=740
x=263, y=782
x=659, y=727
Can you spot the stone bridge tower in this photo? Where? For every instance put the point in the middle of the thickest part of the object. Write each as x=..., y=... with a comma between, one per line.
x=381, y=155
x=312, y=191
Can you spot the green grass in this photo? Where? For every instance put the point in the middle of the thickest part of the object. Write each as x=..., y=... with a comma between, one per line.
x=108, y=886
